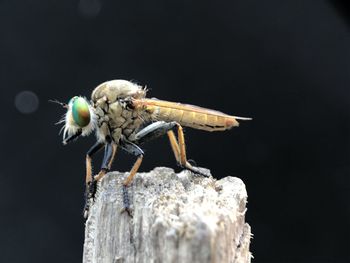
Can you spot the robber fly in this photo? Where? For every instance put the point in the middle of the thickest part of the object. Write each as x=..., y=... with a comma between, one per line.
x=122, y=117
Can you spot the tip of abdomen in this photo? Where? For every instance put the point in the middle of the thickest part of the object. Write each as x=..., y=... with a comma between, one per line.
x=232, y=121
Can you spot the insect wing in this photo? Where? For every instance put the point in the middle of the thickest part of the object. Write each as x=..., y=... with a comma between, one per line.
x=188, y=115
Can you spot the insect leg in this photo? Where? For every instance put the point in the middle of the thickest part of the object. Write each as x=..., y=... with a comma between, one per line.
x=91, y=182
x=110, y=151
x=137, y=151
x=174, y=145
x=160, y=128
x=90, y=188
x=94, y=149
x=179, y=149
x=153, y=131
x=72, y=137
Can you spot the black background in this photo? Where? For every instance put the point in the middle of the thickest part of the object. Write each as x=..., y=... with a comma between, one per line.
x=284, y=63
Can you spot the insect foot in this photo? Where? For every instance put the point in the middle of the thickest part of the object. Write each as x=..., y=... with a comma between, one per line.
x=126, y=202
x=197, y=171
x=90, y=192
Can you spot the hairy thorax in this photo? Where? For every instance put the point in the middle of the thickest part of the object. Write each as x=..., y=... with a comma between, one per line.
x=114, y=117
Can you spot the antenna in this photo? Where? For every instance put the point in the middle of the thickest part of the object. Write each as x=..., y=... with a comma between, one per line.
x=64, y=105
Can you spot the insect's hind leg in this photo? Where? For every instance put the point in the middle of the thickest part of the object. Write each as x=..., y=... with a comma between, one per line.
x=179, y=149
x=153, y=131
x=160, y=128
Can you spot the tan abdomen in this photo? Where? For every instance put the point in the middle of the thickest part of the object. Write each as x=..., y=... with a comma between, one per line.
x=188, y=115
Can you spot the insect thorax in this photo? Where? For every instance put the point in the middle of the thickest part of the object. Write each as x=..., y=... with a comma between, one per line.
x=114, y=117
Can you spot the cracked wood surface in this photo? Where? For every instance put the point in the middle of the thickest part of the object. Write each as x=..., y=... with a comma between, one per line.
x=176, y=218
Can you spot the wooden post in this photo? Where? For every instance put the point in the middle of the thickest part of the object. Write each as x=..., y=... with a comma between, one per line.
x=176, y=218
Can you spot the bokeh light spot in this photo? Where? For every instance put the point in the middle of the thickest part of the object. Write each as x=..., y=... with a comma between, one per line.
x=26, y=102
x=89, y=8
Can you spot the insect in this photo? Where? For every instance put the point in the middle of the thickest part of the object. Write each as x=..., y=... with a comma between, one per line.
x=123, y=118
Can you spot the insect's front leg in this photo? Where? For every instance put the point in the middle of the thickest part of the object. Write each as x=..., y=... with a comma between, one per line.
x=91, y=181
x=90, y=184
x=110, y=151
x=72, y=137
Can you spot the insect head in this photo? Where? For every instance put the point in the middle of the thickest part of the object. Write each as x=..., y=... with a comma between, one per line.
x=79, y=119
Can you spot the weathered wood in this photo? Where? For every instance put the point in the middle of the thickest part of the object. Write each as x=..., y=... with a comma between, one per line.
x=176, y=218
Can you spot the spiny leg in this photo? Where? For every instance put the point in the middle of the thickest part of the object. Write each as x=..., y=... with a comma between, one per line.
x=110, y=151
x=133, y=171
x=109, y=154
x=153, y=131
x=174, y=145
x=137, y=151
x=90, y=188
x=72, y=137
x=179, y=149
x=161, y=128
x=182, y=146
x=94, y=149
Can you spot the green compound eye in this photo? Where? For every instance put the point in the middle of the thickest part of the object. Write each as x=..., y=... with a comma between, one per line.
x=80, y=111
